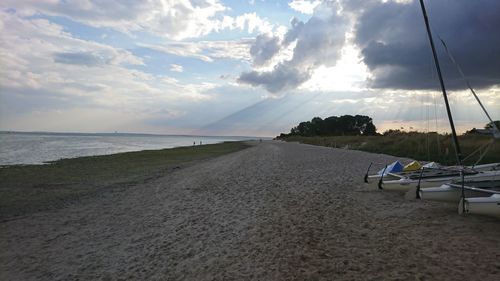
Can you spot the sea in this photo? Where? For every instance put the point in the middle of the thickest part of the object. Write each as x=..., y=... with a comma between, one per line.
x=21, y=148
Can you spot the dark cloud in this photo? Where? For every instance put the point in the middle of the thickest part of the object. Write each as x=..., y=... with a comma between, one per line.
x=282, y=77
x=294, y=32
x=393, y=44
x=395, y=47
x=264, y=49
x=79, y=58
x=318, y=42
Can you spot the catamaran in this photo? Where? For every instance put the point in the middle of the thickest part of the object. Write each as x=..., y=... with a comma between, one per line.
x=474, y=187
x=439, y=177
x=488, y=202
x=429, y=175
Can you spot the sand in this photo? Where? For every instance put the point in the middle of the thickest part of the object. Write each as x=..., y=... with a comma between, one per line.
x=275, y=211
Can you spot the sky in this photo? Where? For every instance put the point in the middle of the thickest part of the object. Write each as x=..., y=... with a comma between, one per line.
x=246, y=67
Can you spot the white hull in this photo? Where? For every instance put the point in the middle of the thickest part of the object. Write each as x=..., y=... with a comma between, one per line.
x=374, y=179
x=395, y=176
x=489, y=206
x=404, y=184
x=452, y=193
x=486, y=167
x=444, y=193
x=401, y=182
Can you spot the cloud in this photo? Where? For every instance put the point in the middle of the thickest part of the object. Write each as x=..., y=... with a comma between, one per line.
x=45, y=73
x=79, y=58
x=317, y=42
x=176, y=68
x=304, y=6
x=56, y=81
x=182, y=49
x=282, y=77
x=173, y=19
x=392, y=41
x=169, y=18
x=248, y=21
x=264, y=48
x=207, y=51
x=395, y=47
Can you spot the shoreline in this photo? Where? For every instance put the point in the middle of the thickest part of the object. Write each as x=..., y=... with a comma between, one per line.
x=29, y=188
x=49, y=162
x=40, y=148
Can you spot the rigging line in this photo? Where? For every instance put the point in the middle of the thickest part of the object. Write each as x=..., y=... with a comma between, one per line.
x=481, y=156
x=428, y=129
x=435, y=103
x=458, y=151
x=425, y=107
x=467, y=81
x=432, y=98
x=438, y=144
x=486, y=148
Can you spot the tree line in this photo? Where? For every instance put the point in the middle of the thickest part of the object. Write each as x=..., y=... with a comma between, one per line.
x=335, y=126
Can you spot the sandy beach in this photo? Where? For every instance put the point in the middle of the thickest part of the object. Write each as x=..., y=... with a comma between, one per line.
x=274, y=211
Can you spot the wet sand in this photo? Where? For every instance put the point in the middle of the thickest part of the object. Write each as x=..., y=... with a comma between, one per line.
x=275, y=211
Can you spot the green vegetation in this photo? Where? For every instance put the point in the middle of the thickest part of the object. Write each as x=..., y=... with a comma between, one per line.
x=335, y=126
x=358, y=132
x=414, y=145
x=25, y=189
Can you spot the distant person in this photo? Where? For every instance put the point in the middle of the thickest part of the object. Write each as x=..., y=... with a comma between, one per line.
x=194, y=143
x=200, y=142
x=260, y=140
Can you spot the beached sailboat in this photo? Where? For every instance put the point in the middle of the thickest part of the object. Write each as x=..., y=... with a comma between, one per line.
x=429, y=175
x=396, y=170
x=488, y=203
x=452, y=192
x=481, y=196
x=443, y=176
x=388, y=179
x=476, y=188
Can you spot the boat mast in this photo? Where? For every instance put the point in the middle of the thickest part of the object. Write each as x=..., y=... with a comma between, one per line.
x=450, y=118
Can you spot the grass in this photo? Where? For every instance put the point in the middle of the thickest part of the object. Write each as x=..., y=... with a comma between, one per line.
x=414, y=145
x=30, y=188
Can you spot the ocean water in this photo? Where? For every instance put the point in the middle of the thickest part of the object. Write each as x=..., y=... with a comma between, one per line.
x=39, y=148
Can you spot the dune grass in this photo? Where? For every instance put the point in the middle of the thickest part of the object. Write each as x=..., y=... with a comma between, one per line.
x=418, y=146
x=29, y=188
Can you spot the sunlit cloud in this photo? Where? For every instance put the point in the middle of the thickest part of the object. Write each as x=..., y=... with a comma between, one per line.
x=172, y=19
x=207, y=51
x=304, y=6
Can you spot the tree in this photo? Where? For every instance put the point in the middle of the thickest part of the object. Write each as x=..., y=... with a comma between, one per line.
x=393, y=132
x=370, y=130
x=317, y=126
x=331, y=125
x=335, y=126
